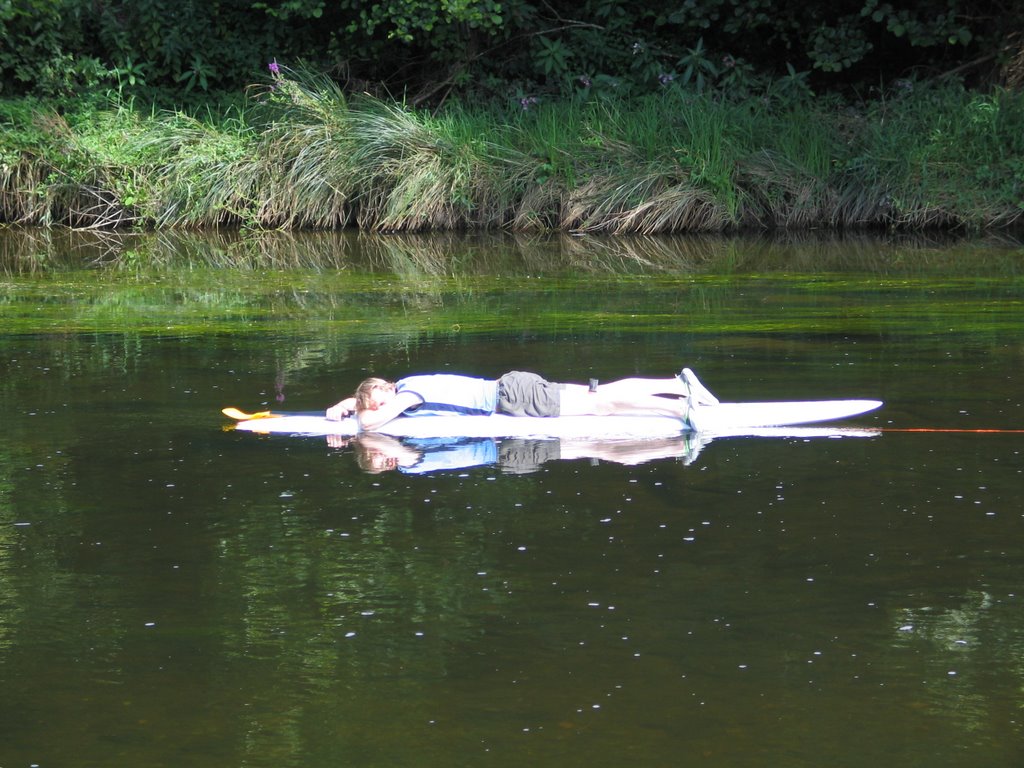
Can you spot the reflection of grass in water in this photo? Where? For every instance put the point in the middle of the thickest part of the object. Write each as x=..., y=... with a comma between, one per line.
x=344, y=304
x=449, y=254
x=963, y=638
x=363, y=286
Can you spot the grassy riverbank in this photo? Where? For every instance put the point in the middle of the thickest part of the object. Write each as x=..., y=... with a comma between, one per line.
x=300, y=154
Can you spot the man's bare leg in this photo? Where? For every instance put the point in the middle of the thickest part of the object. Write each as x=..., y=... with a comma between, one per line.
x=627, y=396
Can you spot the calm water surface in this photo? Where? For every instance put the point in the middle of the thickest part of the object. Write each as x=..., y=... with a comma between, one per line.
x=174, y=594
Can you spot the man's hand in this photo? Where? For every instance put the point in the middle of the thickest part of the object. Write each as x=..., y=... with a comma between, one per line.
x=340, y=410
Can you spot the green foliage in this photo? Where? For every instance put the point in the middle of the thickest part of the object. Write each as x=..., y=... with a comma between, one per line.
x=288, y=9
x=926, y=24
x=168, y=51
x=839, y=46
x=20, y=129
x=303, y=154
x=552, y=58
x=198, y=75
x=34, y=52
x=163, y=44
x=791, y=87
x=130, y=73
x=408, y=20
x=698, y=71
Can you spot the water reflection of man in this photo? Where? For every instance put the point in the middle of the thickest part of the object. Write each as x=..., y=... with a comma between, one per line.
x=377, y=453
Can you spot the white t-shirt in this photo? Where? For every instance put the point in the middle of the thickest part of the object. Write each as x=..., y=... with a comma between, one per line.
x=447, y=394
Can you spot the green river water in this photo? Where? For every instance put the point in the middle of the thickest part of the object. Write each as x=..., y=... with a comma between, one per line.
x=174, y=594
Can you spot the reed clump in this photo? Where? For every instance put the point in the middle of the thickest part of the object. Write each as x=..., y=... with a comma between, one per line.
x=304, y=155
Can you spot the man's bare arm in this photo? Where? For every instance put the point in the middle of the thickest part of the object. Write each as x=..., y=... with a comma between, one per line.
x=372, y=419
x=342, y=409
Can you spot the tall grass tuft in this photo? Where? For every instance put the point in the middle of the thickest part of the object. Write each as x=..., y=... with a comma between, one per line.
x=456, y=170
x=203, y=174
x=306, y=151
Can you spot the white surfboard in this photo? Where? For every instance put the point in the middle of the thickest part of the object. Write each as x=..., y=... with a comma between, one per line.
x=723, y=419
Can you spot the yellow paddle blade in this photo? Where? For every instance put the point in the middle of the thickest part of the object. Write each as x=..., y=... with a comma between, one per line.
x=234, y=413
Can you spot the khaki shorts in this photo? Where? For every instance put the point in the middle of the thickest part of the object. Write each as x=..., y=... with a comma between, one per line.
x=521, y=393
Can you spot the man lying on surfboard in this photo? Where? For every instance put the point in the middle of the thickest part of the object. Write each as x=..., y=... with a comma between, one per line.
x=518, y=393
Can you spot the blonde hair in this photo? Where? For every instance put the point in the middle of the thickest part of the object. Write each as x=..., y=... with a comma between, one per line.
x=364, y=392
x=364, y=459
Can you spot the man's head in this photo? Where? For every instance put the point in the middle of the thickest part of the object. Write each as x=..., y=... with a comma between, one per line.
x=372, y=393
x=380, y=453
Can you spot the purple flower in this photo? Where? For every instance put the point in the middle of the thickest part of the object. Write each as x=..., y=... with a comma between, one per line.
x=528, y=101
x=274, y=67
x=585, y=81
x=665, y=78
